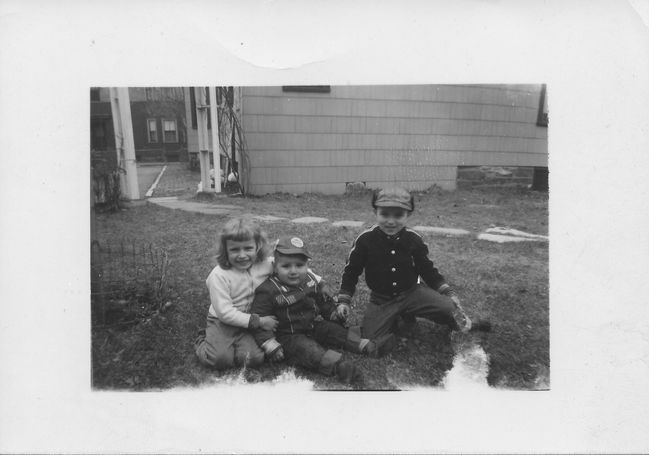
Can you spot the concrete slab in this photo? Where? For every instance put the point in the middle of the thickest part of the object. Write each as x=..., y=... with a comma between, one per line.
x=310, y=220
x=440, y=230
x=153, y=186
x=163, y=199
x=265, y=218
x=515, y=232
x=196, y=207
x=505, y=238
x=146, y=175
x=348, y=223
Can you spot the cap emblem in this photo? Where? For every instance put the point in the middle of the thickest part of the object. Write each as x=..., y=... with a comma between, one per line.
x=297, y=243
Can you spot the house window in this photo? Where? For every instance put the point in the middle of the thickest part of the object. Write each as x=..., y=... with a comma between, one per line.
x=152, y=129
x=169, y=130
x=307, y=88
x=542, y=119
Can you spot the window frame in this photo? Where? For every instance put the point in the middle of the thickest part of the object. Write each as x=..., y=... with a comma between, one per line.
x=148, y=131
x=307, y=88
x=164, y=137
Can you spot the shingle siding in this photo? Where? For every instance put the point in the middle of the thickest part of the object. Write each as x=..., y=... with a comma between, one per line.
x=415, y=136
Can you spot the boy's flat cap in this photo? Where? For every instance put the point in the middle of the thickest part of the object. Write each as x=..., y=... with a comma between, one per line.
x=393, y=197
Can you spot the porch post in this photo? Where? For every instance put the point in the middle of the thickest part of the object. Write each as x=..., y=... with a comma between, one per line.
x=203, y=139
x=216, y=148
x=123, y=126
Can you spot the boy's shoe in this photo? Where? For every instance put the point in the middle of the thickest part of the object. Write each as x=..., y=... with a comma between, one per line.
x=381, y=346
x=347, y=372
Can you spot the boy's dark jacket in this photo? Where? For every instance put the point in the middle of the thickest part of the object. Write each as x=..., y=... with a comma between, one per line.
x=392, y=264
x=295, y=307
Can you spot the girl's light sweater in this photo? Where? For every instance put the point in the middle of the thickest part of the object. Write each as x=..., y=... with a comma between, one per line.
x=232, y=291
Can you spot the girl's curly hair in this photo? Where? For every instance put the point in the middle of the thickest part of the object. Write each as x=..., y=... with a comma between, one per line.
x=241, y=230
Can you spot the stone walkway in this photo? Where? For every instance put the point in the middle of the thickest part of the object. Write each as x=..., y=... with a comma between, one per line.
x=178, y=179
x=493, y=234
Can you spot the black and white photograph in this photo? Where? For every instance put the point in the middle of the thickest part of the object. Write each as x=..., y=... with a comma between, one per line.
x=324, y=227
x=398, y=236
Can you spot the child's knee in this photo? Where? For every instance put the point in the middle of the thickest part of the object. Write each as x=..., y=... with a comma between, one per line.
x=210, y=356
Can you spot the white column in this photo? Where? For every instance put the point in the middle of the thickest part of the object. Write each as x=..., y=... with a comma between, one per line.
x=203, y=138
x=239, y=113
x=216, y=149
x=125, y=147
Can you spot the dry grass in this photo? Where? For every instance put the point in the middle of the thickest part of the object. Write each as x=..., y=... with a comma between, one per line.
x=508, y=283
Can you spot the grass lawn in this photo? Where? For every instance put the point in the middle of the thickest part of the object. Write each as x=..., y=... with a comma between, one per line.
x=507, y=283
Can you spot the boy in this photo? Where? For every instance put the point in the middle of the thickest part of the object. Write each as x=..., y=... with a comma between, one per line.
x=305, y=318
x=394, y=258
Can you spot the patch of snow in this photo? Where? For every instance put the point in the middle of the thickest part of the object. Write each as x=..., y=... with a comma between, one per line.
x=347, y=223
x=515, y=232
x=505, y=238
x=310, y=219
x=439, y=230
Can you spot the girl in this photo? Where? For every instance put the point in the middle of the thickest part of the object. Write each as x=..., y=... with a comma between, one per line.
x=243, y=264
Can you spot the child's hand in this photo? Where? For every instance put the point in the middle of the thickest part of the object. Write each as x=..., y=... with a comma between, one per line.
x=456, y=300
x=342, y=310
x=278, y=355
x=268, y=322
x=327, y=291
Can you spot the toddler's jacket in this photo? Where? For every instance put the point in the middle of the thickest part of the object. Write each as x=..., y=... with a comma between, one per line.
x=296, y=307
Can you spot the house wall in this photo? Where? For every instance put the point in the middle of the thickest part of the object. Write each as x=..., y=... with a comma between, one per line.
x=146, y=102
x=412, y=136
x=157, y=103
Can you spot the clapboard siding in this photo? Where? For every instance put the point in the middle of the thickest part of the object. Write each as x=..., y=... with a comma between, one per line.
x=415, y=136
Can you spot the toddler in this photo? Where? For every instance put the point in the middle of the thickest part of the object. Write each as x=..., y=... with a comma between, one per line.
x=306, y=318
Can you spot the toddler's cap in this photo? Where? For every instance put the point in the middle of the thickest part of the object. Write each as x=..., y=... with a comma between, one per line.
x=291, y=245
x=393, y=197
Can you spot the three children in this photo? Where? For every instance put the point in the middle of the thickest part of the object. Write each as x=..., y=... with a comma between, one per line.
x=292, y=315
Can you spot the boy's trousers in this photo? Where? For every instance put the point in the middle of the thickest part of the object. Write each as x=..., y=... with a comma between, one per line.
x=225, y=346
x=421, y=301
x=306, y=350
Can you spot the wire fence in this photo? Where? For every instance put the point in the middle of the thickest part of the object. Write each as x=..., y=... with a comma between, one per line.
x=128, y=282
